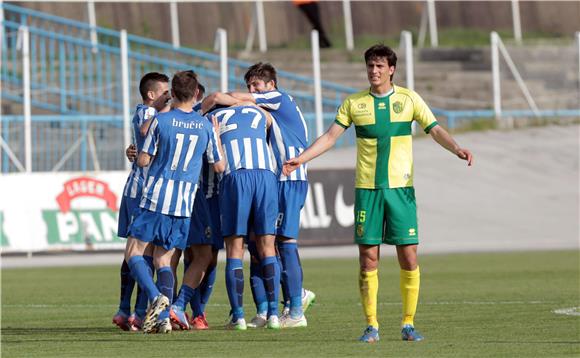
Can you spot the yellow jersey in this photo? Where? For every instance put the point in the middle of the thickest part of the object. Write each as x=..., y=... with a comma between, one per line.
x=383, y=135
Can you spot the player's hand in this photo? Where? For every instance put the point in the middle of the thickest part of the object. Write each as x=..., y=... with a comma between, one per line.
x=216, y=125
x=131, y=152
x=290, y=165
x=465, y=155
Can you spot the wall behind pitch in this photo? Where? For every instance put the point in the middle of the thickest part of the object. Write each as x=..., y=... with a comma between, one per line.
x=79, y=211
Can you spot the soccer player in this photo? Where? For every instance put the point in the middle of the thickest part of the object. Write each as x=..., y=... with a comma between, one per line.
x=385, y=208
x=289, y=138
x=174, y=146
x=248, y=203
x=154, y=90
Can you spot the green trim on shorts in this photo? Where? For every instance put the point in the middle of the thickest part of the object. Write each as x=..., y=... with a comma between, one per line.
x=385, y=216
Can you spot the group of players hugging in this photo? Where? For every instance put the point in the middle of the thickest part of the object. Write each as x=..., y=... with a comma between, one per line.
x=207, y=172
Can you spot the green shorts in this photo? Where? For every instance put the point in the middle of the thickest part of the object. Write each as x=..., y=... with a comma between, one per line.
x=385, y=216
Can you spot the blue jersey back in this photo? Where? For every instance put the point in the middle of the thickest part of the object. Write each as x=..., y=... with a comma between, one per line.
x=134, y=184
x=243, y=136
x=178, y=140
x=289, y=134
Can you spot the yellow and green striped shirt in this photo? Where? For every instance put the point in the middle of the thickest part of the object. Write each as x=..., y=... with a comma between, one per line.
x=383, y=135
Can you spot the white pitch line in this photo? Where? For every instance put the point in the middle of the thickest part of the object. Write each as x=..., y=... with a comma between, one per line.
x=572, y=311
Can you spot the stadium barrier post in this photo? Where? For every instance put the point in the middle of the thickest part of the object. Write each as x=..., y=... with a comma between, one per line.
x=517, y=24
x=407, y=43
x=25, y=36
x=221, y=44
x=93, y=23
x=261, y=26
x=348, y=24
x=174, y=24
x=433, y=36
x=317, y=83
x=495, y=75
x=422, y=28
x=125, y=89
x=577, y=35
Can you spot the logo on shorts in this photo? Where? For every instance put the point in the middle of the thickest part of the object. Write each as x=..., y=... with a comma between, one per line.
x=360, y=230
x=412, y=232
x=279, y=220
x=208, y=232
x=398, y=107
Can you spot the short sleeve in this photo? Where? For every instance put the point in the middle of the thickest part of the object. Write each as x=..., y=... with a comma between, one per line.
x=269, y=100
x=152, y=139
x=343, y=117
x=422, y=114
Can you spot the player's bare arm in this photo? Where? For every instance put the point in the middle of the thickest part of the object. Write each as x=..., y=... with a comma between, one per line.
x=217, y=98
x=144, y=159
x=243, y=96
x=320, y=146
x=440, y=135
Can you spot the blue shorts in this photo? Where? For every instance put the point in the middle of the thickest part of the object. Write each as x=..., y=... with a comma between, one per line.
x=200, y=226
x=291, y=197
x=167, y=231
x=249, y=202
x=216, y=229
x=127, y=212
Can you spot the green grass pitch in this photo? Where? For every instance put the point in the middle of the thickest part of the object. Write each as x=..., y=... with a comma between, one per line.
x=471, y=305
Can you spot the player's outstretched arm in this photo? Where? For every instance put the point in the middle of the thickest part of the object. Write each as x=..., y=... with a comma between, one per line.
x=440, y=135
x=321, y=145
x=217, y=98
x=243, y=96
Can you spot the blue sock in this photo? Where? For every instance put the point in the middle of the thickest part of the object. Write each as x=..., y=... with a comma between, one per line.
x=206, y=286
x=258, y=289
x=140, y=272
x=141, y=303
x=127, y=285
x=271, y=276
x=185, y=294
x=235, y=287
x=165, y=281
x=292, y=276
x=283, y=285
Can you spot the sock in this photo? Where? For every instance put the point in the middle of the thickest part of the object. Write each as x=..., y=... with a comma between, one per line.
x=410, y=281
x=140, y=272
x=127, y=285
x=369, y=288
x=185, y=295
x=165, y=281
x=258, y=289
x=283, y=285
x=235, y=287
x=141, y=302
x=271, y=276
x=292, y=276
x=206, y=286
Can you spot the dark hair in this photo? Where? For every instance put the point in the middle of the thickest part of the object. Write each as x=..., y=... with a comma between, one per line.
x=381, y=51
x=200, y=89
x=263, y=71
x=149, y=83
x=184, y=85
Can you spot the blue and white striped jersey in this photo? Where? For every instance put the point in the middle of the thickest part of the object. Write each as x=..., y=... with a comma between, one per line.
x=134, y=184
x=244, y=139
x=288, y=134
x=178, y=140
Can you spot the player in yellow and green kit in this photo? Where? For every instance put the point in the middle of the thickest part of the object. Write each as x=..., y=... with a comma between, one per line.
x=385, y=207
